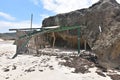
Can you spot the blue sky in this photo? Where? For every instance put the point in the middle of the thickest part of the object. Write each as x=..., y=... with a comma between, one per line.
x=17, y=13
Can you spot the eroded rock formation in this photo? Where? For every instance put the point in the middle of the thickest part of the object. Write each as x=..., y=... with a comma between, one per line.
x=102, y=31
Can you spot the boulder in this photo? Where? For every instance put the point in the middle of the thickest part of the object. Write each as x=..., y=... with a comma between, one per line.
x=102, y=31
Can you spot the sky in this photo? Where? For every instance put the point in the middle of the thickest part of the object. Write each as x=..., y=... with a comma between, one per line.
x=17, y=13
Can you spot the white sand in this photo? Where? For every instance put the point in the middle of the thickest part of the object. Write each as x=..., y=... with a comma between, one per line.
x=44, y=67
x=1, y=40
x=7, y=48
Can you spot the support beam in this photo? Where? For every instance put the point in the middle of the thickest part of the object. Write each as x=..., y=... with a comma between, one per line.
x=24, y=29
x=85, y=45
x=79, y=40
x=51, y=30
x=31, y=21
x=28, y=29
x=54, y=39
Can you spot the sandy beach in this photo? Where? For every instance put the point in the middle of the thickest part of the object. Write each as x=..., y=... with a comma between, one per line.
x=44, y=67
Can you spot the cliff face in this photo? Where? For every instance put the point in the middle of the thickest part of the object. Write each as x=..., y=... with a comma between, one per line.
x=102, y=31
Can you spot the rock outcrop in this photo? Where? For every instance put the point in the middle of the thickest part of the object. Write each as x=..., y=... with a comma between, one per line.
x=102, y=31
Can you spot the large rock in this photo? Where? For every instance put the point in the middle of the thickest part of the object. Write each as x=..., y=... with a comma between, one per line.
x=105, y=14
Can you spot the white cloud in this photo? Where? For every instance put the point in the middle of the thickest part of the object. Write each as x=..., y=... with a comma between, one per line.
x=93, y=1
x=6, y=16
x=36, y=2
x=6, y=25
x=62, y=6
x=43, y=16
x=118, y=1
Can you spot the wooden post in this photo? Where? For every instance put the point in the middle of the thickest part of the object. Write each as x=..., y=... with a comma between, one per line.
x=85, y=45
x=79, y=40
x=54, y=38
x=31, y=21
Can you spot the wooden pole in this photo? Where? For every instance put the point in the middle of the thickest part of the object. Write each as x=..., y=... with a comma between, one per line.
x=53, y=34
x=85, y=45
x=31, y=21
x=79, y=40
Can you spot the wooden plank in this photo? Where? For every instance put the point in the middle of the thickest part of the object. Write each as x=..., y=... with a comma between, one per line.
x=49, y=27
x=24, y=29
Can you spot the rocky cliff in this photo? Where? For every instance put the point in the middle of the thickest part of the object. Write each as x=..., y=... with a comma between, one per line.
x=102, y=31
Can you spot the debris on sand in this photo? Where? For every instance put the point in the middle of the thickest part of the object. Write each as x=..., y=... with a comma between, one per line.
x=115, y=77
x=100, y=73
x=6, y=69
x=30, y=69
x=81, y=65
